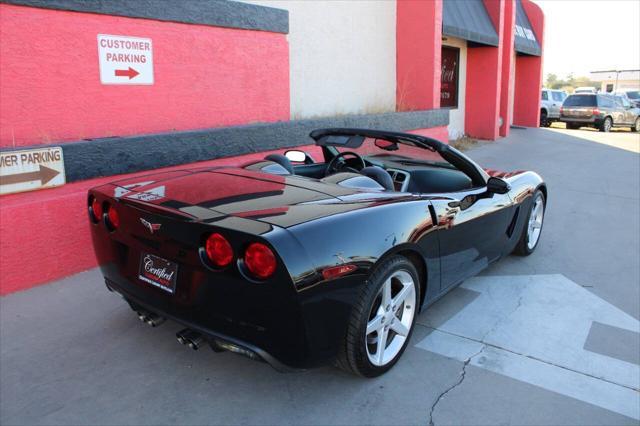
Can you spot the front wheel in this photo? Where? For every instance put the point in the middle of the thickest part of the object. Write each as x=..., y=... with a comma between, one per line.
x=533, y=226
x=636, y=125
x=382, y=320
x=606, y=125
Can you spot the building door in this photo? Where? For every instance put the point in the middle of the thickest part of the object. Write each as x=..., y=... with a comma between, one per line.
x=450, y=77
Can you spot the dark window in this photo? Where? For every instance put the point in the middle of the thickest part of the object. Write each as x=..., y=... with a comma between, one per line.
x=449, y=78
x=609, y=88
x=544, y=96
x=581, y=100
x=633, y=94
x=557, y=96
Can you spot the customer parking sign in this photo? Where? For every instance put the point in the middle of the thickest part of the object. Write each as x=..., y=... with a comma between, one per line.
x=125, y=60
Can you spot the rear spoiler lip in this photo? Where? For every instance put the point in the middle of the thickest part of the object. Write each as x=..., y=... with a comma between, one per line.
x=155, y=207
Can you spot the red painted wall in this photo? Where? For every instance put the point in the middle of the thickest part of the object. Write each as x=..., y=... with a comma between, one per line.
x=507, y=61
x=526, y=107
x=205, y=76
x=484, y=71
x=418, y=52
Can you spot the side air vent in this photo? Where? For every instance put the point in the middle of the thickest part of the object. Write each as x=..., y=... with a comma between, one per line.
x=512, y=225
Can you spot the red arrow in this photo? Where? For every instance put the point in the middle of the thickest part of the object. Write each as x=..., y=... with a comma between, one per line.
x=126, y=73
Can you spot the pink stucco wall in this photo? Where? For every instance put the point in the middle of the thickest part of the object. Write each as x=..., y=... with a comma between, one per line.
x=205, y=76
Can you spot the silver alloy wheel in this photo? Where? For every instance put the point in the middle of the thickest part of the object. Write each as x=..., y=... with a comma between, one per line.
x=607, y=124
x=535, y=222
x=391, y=318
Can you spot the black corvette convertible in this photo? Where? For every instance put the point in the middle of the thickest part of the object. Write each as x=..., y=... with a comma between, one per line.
x=299, y=263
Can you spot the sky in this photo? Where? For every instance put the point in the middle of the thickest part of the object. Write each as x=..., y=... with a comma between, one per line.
x=584, y=36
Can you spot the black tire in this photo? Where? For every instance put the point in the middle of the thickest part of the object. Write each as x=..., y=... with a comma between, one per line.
x=606, y=125
x=544, y=120
x=636, y=125
x=353, y=356
x=522, y=248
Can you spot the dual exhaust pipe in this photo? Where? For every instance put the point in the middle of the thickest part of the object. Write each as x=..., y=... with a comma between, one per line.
x=190, y=338
x=186, y=337
x=150, y=318
x=193, y=339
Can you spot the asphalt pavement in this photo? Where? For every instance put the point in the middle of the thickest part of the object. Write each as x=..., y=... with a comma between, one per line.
x=549, y=339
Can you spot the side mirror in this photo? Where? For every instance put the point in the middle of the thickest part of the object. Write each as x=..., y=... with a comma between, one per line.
x=497, y=186
x=296, y=156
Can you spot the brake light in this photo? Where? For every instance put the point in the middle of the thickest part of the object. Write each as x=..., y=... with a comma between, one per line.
x=561, y=110
x=96, y=209
x=260, y=260
x=595, y=111
x=113, y=219
x=218, y=249
x=337, y=271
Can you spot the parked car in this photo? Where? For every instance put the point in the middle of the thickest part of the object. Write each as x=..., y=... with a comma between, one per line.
x=300, y=263
x=585, y=89
x=600, y=111
x=632, y=95
x=550, y=103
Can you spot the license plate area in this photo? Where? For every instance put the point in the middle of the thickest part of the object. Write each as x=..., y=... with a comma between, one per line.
x=158, y=272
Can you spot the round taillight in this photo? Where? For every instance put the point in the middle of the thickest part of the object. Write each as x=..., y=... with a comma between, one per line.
x=96, y=209
x=260, y=260
x=219, y=251
x=112, y=217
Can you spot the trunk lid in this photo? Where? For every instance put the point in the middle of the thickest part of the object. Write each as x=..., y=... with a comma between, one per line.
x=211, y=194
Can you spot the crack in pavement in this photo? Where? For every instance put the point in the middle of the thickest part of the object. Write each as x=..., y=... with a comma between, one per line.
x=486, y=344
x=463, y=374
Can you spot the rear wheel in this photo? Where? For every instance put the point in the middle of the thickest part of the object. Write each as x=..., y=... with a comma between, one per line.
x=606, y=125
x=382, y=320
x=533, y=226
x=544, y=120
x=636, y=125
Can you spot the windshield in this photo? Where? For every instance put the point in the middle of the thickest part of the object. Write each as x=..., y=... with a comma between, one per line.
x=633, y=94
x=382, y=150
x=580, y=100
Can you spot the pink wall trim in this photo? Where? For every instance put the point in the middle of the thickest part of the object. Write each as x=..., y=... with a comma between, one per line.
x=484, y=71
x=205, y=76
x=526, y=108
x=418, y=54
x=507, y=61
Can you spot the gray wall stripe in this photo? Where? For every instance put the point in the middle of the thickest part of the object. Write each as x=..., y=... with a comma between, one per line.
x=88, y=159
x=219, y=13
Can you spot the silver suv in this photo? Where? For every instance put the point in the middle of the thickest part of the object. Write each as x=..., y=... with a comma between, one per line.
x=550, y=104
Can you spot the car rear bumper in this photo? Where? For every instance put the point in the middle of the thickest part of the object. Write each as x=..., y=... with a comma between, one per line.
x=211, y=336
x=579, y=120
x=305, y=330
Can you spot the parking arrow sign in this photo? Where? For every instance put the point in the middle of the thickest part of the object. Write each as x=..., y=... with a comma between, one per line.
x=30, y=169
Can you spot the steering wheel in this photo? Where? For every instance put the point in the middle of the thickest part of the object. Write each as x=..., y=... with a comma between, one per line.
x=338, y=163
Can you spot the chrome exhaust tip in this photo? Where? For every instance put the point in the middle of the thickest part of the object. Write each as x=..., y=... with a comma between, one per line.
x=150, y=318
x=154, y=320
x=190, y=338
